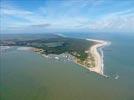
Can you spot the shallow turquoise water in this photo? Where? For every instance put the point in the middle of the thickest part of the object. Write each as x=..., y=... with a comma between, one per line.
x=26, y=75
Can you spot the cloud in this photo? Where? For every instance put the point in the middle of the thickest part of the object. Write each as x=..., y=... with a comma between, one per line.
x=41, y=25
x=91, y=15
x=16, y=20
x=118, y=21
x=25, y=15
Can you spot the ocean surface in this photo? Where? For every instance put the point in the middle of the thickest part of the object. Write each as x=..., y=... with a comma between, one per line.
x=26, y=75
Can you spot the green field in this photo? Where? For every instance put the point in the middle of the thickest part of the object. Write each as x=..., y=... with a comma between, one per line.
x=55, y=45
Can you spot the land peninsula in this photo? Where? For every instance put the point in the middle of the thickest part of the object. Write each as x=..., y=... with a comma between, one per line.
x=83, y=50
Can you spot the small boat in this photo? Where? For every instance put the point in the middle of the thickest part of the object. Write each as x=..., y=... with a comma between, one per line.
x=57, y=58
x=116, y=77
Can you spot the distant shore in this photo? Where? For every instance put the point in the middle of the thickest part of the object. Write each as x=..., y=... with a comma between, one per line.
x=98, y=58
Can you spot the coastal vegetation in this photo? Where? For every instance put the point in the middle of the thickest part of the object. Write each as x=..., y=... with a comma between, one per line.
x=55, y=45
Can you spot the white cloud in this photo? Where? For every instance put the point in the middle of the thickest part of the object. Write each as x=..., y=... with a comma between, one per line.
x=118, y=21
x=67, y=15
x=26, y=16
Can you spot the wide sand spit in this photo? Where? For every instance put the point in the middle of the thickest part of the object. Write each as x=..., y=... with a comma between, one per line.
x=98, y=56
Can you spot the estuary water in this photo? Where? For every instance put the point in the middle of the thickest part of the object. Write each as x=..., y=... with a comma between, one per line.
x=26, y=75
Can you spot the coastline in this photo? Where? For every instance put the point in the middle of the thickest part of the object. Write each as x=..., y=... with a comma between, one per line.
x=98, y=58
x=94, y=61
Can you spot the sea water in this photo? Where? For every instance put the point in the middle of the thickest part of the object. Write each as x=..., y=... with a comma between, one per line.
x=26, y=75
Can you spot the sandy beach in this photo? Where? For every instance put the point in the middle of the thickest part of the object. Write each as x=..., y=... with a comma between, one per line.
x=98, y=58
x=93, y=51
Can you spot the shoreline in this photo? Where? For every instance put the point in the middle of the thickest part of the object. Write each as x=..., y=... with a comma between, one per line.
x=95, y=52
x=99, y=63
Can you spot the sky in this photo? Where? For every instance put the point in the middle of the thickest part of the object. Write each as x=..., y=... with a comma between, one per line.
x=40, y=16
